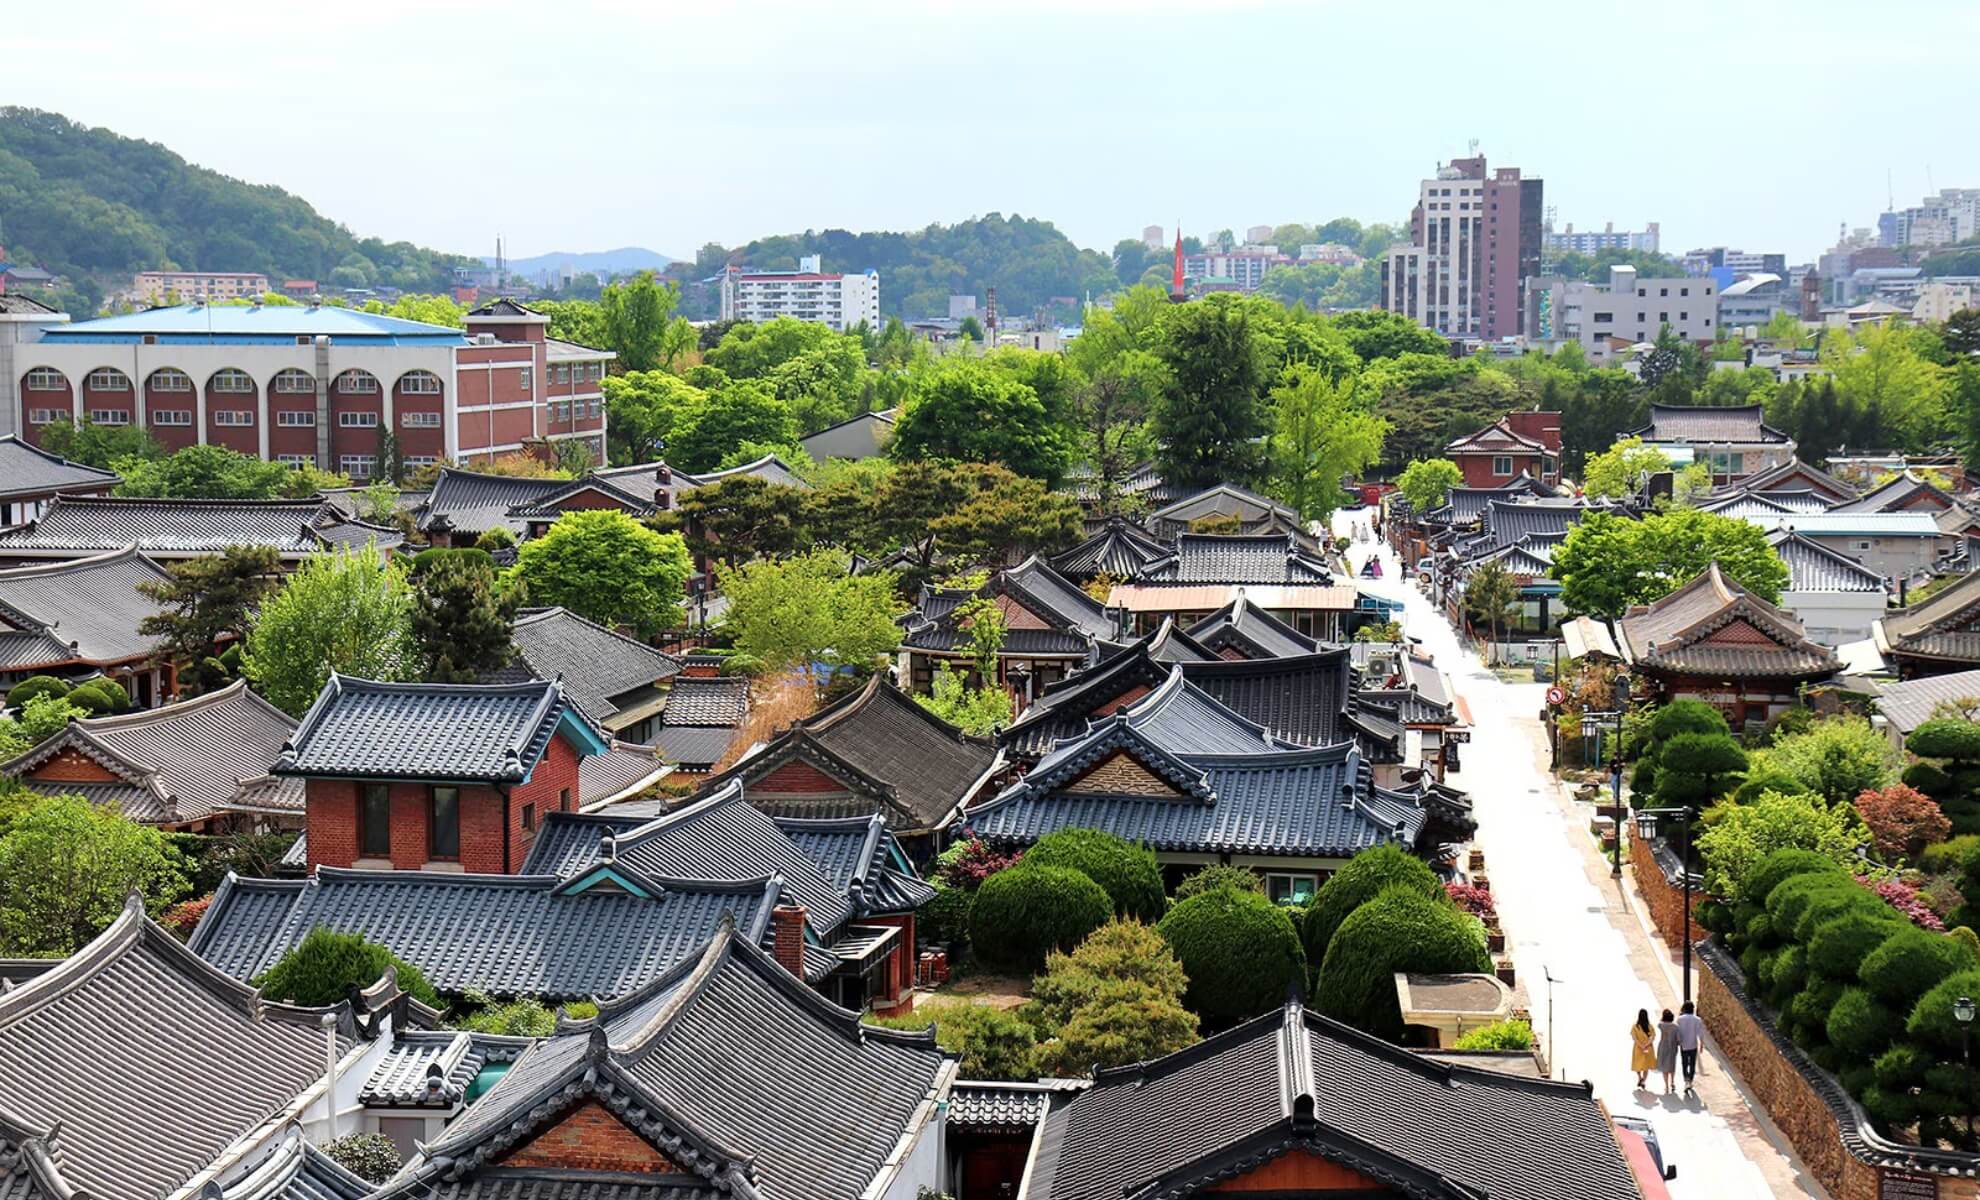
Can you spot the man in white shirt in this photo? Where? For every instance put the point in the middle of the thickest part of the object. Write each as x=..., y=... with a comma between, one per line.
x=1691, y=1035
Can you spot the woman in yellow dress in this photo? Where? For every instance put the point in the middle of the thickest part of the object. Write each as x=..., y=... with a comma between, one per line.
x=1642, y=1048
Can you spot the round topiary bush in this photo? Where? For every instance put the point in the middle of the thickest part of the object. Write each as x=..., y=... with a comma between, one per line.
x=1366, y=876
x=1239, y=951
x=1790, y=898
x=1824, y=905
x=1211, y=878
x=100, y=697
x=1861, y=1026
x=1838, y=946
x=1790, y=975
x=1125, y=871
x=945, y=918
x=1022, y=914
x=1779, y=865
x=1928, y=778
x=326, y=965
x=1945, y=737
x=1808, y=1012
x=1400, y=930
x=497, y=538
x=36, y=685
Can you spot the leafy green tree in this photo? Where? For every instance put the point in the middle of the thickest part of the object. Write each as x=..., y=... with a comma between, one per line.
x=1124, y=951
x=1319, y=436
x=203, y=473
x=749, y=350
x=1367, y=875
x=970, y=329
x=998, y=514
x=1621, y=469
x=1427, y=482
x=743, y=517
x=606, y=567
x=1116, y=999
x=1212, y=416
x=1490, y=594
x=208, y=600
x=66, y=866
x=324, y=967
x=1697, y=768
x=977, y=711
x=643, y=409
x=1610, y=562
x=993, y=1043
x=1111, y=411
x=1373, y=333
x=1023, y=914
x=640, y=325
x=580, y=321
x=968, y=410
x=824, y=386
x=1882, y=368
x=1738, y=836
x=807, y=612
x=1401, y=929
x=1239, y=951
x=1216, y=876
x=1961, y=333
x=348, y=612
x=460, y=624
x=743, y=411
x=1836, y=758
x=97, y=445
x=431, y=310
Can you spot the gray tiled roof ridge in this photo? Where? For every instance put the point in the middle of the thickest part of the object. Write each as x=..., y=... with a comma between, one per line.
x=338, y=684
x=852, y=702
x=1069, y=756
x=63, y=566
x=537, y=504
x=328, y=874
x=273, y=1176
x=1172, y=689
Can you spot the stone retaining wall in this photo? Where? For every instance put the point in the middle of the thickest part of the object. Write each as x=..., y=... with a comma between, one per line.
x=1661, y=895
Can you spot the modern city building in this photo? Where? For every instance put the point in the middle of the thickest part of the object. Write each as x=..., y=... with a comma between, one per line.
x=1952, y=215
x=1475, y=237
x=808, y=293
x=1592, y=241
x=1606, y=319
x=311, y=385
x=1244, y=267
x=1729, y=265
x=1754, y=299
x=186, y=287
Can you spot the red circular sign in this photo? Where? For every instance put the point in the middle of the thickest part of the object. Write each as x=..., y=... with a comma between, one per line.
x=1556, y=697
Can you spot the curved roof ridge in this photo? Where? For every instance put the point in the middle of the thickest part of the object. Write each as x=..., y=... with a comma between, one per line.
x=62, y=566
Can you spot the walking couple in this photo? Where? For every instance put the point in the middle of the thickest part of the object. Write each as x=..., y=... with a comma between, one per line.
x=1661, y=1049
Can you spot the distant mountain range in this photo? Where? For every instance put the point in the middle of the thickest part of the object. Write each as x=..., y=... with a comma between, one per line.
x=623, y=261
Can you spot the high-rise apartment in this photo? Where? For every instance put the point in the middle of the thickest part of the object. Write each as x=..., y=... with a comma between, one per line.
x=1475, y=235
x=808, y=293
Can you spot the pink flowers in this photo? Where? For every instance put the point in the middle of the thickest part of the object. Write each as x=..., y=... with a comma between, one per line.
x=1474, y=900
x=969, y=863
x=1904, y=898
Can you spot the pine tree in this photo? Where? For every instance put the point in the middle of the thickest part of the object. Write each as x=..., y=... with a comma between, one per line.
x=460, y=626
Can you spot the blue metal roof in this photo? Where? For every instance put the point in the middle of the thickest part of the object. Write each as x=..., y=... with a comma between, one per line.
x=194, y=324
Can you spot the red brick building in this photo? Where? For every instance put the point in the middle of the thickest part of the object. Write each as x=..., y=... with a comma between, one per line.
x=1520, y=443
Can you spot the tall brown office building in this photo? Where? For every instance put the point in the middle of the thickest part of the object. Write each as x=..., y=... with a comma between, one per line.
x=1474, y=239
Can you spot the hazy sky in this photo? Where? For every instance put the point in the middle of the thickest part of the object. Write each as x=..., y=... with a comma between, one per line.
x=579, y=124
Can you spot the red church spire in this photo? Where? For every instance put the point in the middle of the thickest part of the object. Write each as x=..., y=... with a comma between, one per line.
x=1176, y=293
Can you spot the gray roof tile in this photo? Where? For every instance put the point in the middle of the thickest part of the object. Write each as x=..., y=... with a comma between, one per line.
x=599, y=666
x=78, y=526
x=1118, y=550
x=1730, y=424
x=85, y=609
x=1687, y=632
x=1251, y=631
x=31, y=471
x=292, y=1169
x=469, y=502
x=469, y=732
x=617, y=773
x=693, y=700
x=1813, y=567
x=1225, y=558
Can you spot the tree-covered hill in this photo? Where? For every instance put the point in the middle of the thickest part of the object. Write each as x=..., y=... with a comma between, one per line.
x=1028, y=261
x=96, y=207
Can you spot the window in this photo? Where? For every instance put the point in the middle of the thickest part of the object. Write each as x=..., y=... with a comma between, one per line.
x=419, y=420
x=523, y=378
x=1285, y=888
x=444, y=823
x=1663, y=318
x=294, y=381
x=357, y=382
x=421, y=460
x=357, y=420
x=296, y=460
x=47, y=416
x=169, y=380
x=420, y=383
x=560, y=411
x=171, y=416
x=1663, y=291
x=234, y=416
x=1605, y=318
x=1684, y=316
x=107, y=379
x=110, y=416
x=563, y=799
x=529, y=818
x=230, y=380
x=563, y=374
x=1502, y=465
x=1684, y=291
x=357, y=466
x=375, y=821
x=303, y=419
x=1862, y=545
x=45, y=379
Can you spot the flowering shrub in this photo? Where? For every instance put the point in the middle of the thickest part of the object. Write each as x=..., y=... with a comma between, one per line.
x=1902, y=819
x=1474, y=900
x=1904, y=898
x=968, y=863
x=181, y=917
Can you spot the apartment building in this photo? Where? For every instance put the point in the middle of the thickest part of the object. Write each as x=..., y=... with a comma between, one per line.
x=1475, y=237
x=1593, y=241
x=808, y=293
x=188, y=287
x=1244, y=267
x=1606, y=319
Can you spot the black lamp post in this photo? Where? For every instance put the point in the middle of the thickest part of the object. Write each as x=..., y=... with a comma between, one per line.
x=1963, y=1013
x=1646, y=824
x=1619, y=695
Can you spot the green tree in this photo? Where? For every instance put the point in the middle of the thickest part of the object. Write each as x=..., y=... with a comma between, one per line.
x=208, y=600
x=97, y=445
x=1319, y=436
x=643, y=409
x=1490, y=594
x=203, y=473
x=809, y=613
x=742, y=411
x=824, y=386
x=1111, y=411
x=1836, y=758
x=1621, y=469
x=460, y=625
x=1609, y=562
x=1402, y=929
x=999, y=515
x=1126, y=871
x=1239, y=951
x=968, y=410
x=324, y=967
x=1211, y=417
x=1372, y=333
x=993, y=1043
x=1881, y=368
x=743, y=517
x=606, y=567
x=977, y=711
x=1114, y=1000
x=640, y=325
x=1738, y=836
x=1427, y=482
x=348, y=612
x=1024, y=913
x=430, y=310
x=1697, y=768
x=66, y=866
x=1367, y=875
x=970, y=329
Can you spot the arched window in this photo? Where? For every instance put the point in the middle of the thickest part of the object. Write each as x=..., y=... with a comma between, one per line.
x=168, y=379
x=107, y=379
x=45, y=379
x=227, y=379
x=294, y=381
x=419, y=383
x=355, y=382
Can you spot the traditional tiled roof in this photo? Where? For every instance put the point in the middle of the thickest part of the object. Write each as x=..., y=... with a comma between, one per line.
x=1508, y=523
x=185, y=1062
x=1797, y=475
x=470, y=502
x=701, y=720
x=78, y=526
x=1119, y=550
x=769, y=468
x=1223, y=500
x=623, y=771
x=1909, y=704
x=1496, y=438
x=1712, y=626
x=1293, y=1081
x=1144, y=479
x=1064, y=708
x=601, y=933
x=79, y=610
x=1750, y=504
x=610, y=675
x=1813, y=567
x=31, y=471
x=551, y=504
x=180, y=763
x=1465, y=505
x=1299, y=698
x=1186, y=720
x=1727, y=425
x=292, y=1169
x=1250, y=631
x=433, y=1068
x=997, y=1105
x=1224, y=558
x=1170, y=644
x=1069, y=621
x=862, y=858
x=1945, y=626
x=1905, y=490
x=466, y=732
x=748, y=1082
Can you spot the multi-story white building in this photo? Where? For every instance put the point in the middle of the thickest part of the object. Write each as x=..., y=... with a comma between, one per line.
x=808, y=294
x=189, y=287
x=1244, y=267
x=1591, y=241
x=1606, y=319
x=1953, y=215
x=1940, y=299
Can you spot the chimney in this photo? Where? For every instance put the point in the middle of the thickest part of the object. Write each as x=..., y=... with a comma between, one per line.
x=664, y=473
x=787, y=924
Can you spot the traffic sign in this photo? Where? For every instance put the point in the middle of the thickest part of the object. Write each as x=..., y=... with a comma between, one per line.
x=1556, y=697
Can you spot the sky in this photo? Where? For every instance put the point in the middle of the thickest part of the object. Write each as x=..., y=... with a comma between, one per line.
x=580, y=125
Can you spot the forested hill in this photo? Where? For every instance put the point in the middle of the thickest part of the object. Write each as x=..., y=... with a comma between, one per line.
x=97, y=207
x=1028, y=261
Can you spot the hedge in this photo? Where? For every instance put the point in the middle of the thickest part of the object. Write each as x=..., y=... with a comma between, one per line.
x=1400, y=930
x=1022, y=914
x=1779, y=865
x=1217, y=875
x=325, y=965
x=1838, y=946
x=1125, y=871
x=1239, y=951
x=1365, y=877
x=995, y=1043
x=36, y=685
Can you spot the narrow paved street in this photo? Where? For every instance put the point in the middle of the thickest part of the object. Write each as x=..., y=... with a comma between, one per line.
x=1566, y=917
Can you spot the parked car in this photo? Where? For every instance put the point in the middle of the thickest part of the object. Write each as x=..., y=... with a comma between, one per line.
x=1638, y=1139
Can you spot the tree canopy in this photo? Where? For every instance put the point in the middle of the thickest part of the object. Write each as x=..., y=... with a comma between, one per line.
x=606, y=567
x=1610, y=562
x=349, y=612
x=809, y=613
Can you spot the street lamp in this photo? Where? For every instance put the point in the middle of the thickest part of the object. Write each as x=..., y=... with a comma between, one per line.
x=1963, y=1013
x=1619, y=694
x=1646, y=824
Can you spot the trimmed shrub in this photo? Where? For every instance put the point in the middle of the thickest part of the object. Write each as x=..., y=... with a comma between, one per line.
x=497, y=538
x=1021, y=915
x=1400, y=930
x=1119, y=952
x=945, y=919
x=1838, y=946
x=1945, y=737
x=1239, y=951
x=1791, y=897
x=1211, y=878
x=326, y=965
x=1808, y=1012
x=1928, y=778
x=1827, y=904
x=1947, y=857
x=1506, y=1035
x=1779, y=865
x=433, y=554
x=1713, y=916
x=995, y=1043
x=36, y=685
x=1909, y=963
x=1126, y=1025
x=100, y=697
x=1125, y=871
x=1861, y=1026
x=1790, y=975
x=1366, y=876
x=370, y=1156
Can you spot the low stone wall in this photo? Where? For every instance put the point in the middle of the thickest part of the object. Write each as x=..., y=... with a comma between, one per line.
x=1663, y=891
x=1827, y=1129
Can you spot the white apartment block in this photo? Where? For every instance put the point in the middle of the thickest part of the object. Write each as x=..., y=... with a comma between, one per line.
x=808, y=294
x=193, y=287
x=1245, y=267
x=1605, y=319
x=1592, y=241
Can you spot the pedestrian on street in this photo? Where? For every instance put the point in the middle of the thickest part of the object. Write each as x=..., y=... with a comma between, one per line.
x=1667, y=1051
x=1691, y=1035
x=1642, y=1048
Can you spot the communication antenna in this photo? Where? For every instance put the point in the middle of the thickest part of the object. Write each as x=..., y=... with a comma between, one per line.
x=1930, y=187
x=990, y=317
x=1472, y=147
x=1890, y=192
